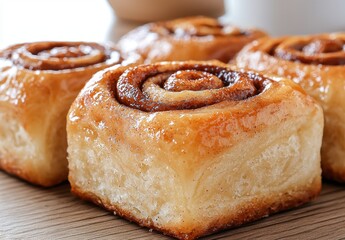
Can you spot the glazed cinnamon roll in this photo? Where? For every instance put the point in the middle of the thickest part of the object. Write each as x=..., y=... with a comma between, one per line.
x=191, y=38
x=38, y=82
x=189, y=148
x=317, y=63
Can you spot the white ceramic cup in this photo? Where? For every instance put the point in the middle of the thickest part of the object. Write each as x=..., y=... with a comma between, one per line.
x=285, y=17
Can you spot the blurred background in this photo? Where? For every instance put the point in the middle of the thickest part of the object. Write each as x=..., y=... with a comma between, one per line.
x=95, y=20
x=82, y=20
x=39, y=20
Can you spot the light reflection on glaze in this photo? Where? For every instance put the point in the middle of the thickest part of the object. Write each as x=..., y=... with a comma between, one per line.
x=315, y=70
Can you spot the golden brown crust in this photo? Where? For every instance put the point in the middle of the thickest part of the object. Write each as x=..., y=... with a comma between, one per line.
x=191, y=38
x=252, y=211
x=317, y=63
x=190, y=171
x=38, y=83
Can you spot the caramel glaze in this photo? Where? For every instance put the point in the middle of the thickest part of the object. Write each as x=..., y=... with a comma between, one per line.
x=218, y=83
x=57, y=55
x=311, y=50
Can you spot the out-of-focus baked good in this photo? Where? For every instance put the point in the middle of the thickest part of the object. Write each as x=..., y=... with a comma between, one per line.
x=38, y=82
x=189, y=148
x=190, y=38
x=153, y=10
x=317, y=63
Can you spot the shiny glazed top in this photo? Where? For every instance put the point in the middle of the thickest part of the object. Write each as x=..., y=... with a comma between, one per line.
x=321, y=49
x=185, y=85
x=196, y=27
x=59, y=55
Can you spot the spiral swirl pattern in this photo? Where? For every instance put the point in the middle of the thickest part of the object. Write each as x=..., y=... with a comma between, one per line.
x=199, y=27
x=325, y=50
x=59, y=55
x=185, y=85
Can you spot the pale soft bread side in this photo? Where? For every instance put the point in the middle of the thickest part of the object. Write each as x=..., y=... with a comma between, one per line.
x=189, y=173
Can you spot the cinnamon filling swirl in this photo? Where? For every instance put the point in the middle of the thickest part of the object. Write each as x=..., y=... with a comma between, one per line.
x=177, y=86
x=325, y=51
x=59, y=55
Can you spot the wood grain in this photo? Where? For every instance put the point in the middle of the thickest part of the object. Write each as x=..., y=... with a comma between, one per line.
x=29, y=212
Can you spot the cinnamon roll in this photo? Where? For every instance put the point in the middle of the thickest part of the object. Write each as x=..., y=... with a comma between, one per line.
x=38, y=82
x=191, y=38
x=317, y=63
x=189, y=148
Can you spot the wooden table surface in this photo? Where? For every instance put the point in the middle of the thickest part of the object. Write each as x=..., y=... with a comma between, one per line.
x=30, y=212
